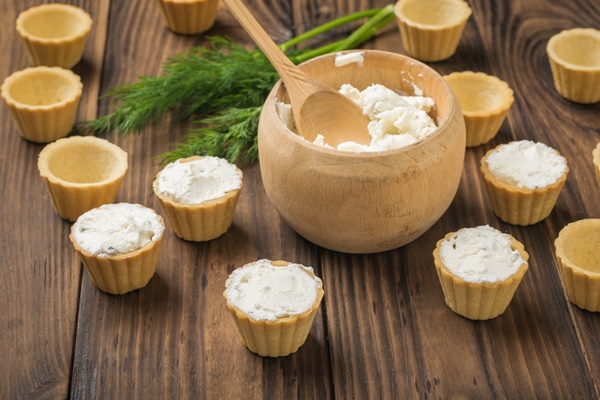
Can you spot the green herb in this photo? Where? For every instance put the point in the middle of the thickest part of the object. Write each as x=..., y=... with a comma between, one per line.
x=224, y=86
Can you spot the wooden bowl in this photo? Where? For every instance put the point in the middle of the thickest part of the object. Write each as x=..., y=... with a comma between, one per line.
x=364, y=202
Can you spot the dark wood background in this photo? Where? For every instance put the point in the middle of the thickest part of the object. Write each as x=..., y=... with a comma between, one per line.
x=383, y=330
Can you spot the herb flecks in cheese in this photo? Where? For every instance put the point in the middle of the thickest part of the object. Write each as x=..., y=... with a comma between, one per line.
x=267, y=292
x=480, y=255
x=114, y=229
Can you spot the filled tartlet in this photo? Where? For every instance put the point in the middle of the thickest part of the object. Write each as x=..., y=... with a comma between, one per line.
x=273, y=305
x=199, y=196
x=578, y=254
x=484, y=100
x=479, y=270
x=119, y=245
x=523, y=180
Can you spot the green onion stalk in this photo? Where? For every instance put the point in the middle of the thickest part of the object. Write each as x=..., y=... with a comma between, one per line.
x=223, y=86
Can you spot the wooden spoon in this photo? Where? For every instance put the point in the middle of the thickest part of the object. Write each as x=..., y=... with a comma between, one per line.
x=317, y=108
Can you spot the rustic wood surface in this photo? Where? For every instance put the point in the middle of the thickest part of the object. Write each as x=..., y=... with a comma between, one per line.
x=383, y=330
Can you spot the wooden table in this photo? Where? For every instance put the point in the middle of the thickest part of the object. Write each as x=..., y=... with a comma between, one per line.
x=383, y=330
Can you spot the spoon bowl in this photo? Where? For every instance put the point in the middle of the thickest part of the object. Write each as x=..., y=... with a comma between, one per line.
x=318, y=109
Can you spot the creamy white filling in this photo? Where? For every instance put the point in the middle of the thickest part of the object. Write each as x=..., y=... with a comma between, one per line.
x=114, y=229
x=266, y=292
x=357, y=57
x=526, y=164
x=200, y=180
x=480, y=255
x=396, y=120
x=284, y=111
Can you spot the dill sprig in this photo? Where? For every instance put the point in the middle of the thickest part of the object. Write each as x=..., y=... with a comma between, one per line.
x=202, y=82
x=230, y=134
x=223, y=86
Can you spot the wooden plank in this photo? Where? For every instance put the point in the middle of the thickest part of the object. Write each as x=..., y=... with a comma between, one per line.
x=40, y=276
x=383, y=330
x=175, y=337
x=386, y=313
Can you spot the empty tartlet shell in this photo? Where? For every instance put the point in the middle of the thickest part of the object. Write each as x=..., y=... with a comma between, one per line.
x=484, y=100
x=122, y=273
x=578, y=254
x=199, y=222
x=43, y=102
x=45, y=47
x=426, y=39
x=278, y=338
x=82, y=157
x=189, y=17
x=574, y=57
x=520, y=206
x=478, y=301
x=596, y=161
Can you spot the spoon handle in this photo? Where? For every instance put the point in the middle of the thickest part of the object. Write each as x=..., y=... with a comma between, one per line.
x=279, y=60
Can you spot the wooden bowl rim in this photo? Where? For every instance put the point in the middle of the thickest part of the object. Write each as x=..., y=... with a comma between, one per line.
x=367, y=155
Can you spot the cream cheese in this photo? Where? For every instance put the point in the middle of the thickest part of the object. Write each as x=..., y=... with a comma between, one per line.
x=342, y=59
x=198, y=180
x=267, y=292
x=480, y=255
x=526, y=164
x=396, y=120
x=114, y=229
x=286, y=115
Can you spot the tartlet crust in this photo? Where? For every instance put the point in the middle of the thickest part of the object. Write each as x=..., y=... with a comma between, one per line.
x=125, y=272
x=481, y=124
x=63, y=51
x=431, y=42
x=575, y=80
x=189, y=17
x=578, y=252
x=71, y=199
x=51, y=120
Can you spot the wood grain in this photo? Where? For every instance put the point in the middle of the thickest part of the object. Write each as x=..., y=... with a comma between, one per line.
x=363, y=203
x=39, y=275
x=383, y=330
